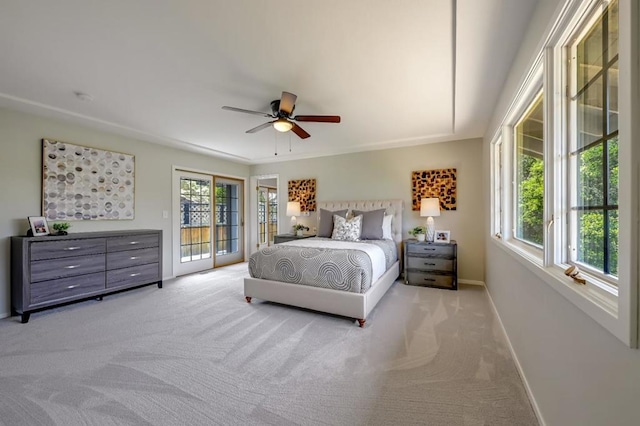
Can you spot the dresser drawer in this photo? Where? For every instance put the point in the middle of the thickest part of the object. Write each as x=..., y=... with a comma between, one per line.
x=66, y=248
x=125, y=259
x=44, y=270
x=135, y=275
x=431, y=280
x=430, y=264
x=437, y=250
x=65, y=288
x=130, y=242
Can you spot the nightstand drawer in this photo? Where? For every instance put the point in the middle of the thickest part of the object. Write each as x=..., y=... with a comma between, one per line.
x=444, y=250
x=430, y=264
x=430, y=280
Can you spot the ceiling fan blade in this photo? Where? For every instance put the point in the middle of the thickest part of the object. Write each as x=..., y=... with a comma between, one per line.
x=318, y=118
x=287, y=102
x=260, y=127
x=299, y=131
x=247, y=111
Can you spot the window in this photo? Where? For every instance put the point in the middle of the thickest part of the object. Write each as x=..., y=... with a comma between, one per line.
x=529, y=175
x=565, y=145
x=593, y=98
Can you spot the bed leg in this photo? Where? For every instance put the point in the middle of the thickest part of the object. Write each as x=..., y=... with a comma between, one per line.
x=248, y=299
x=361, y=322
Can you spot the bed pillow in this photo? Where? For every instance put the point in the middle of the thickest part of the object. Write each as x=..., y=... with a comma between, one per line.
x=372, y=221
x=346, y=229
x=387, y=233
x=325, y=223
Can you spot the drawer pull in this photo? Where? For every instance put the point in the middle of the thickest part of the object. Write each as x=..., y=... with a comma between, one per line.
x=72, y=248
x=134, y=242
x=134, y=275
x=429, y=279
x=428, y=249
x=134, y=257
x=429, y=264
x=71, y=286
x=71, y=266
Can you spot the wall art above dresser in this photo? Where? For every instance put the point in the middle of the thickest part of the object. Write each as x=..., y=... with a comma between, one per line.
x=83, y=183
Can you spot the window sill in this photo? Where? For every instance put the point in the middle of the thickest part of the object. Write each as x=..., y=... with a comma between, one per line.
x=593, y=298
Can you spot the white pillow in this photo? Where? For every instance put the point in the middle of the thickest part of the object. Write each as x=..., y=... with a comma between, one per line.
x=387, y=233
x=346, y=229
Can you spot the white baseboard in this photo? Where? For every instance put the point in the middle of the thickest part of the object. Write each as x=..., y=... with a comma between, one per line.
x=471, y=282
x=5, y=315
x=527, y=388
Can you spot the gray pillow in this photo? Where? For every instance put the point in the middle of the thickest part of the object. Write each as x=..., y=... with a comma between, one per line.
x=325, y=222
x=371, y=224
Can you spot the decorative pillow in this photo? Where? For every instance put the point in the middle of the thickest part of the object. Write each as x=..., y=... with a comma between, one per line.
x=325, y=222
x=387, y=233
x=346, y=229
x=371, y=223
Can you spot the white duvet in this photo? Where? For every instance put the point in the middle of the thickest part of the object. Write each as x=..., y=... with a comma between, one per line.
x=374, y=252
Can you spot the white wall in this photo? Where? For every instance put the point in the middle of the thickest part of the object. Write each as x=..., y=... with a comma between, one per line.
x=578, y=372
x=21, y=181
x=386, y=174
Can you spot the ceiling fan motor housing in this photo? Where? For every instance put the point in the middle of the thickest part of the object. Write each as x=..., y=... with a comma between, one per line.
x=275, y=110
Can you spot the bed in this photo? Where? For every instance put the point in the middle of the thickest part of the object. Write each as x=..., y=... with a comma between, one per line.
x=359, y=297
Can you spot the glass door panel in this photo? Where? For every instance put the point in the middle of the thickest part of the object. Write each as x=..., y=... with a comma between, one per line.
x=228, y=221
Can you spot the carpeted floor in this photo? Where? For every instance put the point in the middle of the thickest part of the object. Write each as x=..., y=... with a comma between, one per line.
x=195, y=353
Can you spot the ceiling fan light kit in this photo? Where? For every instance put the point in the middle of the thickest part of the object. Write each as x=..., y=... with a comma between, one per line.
x=282, y=110
x=282, y=125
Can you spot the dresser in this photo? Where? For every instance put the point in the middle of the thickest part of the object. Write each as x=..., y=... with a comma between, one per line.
x=55, y=270
x=283, y=238
x=431, y=264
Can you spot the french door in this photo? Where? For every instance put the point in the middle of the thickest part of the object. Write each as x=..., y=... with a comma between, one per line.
x=267, y=215
x=210, y=224
x=229, y=224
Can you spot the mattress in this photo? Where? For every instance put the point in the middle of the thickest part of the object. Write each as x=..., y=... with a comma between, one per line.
x=326, y=263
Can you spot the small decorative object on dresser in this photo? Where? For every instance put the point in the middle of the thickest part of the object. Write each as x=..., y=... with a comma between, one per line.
x=419, y=232
x=38, y=226
x=61, y=227
x=299, y=229
x=442, y=236
x=431, y=264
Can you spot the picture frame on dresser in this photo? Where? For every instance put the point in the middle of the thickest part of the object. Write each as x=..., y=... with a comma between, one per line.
x=38, y=226
x=442, y=236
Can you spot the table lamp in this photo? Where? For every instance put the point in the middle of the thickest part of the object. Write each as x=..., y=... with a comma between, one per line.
x=293, y=210
x=430, y=207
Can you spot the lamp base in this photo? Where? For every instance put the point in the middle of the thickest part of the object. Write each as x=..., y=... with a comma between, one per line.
x=431, y=230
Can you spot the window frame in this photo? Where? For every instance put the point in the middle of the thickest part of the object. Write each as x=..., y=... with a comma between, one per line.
x=616, y=309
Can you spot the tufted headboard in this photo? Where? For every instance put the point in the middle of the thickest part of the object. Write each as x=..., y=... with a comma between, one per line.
x=393, y=207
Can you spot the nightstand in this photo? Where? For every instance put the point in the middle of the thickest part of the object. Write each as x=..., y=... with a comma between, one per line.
x=431, y=264
x=283, y=238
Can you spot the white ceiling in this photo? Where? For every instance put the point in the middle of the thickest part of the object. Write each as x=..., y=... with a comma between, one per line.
x=399, y=73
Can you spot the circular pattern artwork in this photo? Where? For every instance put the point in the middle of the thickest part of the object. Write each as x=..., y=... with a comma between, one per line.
x=82, y=183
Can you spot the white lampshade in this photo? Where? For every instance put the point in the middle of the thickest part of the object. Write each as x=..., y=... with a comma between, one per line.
x=430, y=207
x=293, y=208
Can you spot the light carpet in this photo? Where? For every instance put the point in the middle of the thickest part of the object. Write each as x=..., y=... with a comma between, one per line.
x=195, y=353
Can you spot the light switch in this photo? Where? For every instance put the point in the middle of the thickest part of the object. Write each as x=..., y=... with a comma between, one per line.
x=165, y=214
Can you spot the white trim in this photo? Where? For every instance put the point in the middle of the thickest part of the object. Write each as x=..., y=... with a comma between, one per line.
x=516, y=361
x=471, y=282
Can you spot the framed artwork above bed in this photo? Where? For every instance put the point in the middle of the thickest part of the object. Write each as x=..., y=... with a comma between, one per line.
x=304, y=191
x=439, y=183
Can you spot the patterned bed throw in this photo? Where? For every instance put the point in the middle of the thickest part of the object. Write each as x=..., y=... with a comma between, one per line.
x=326, y=263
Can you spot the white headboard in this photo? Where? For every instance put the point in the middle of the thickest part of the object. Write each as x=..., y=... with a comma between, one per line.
x=393, y=207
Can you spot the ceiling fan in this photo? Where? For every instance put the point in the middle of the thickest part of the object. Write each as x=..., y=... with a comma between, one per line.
x=282, y=110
